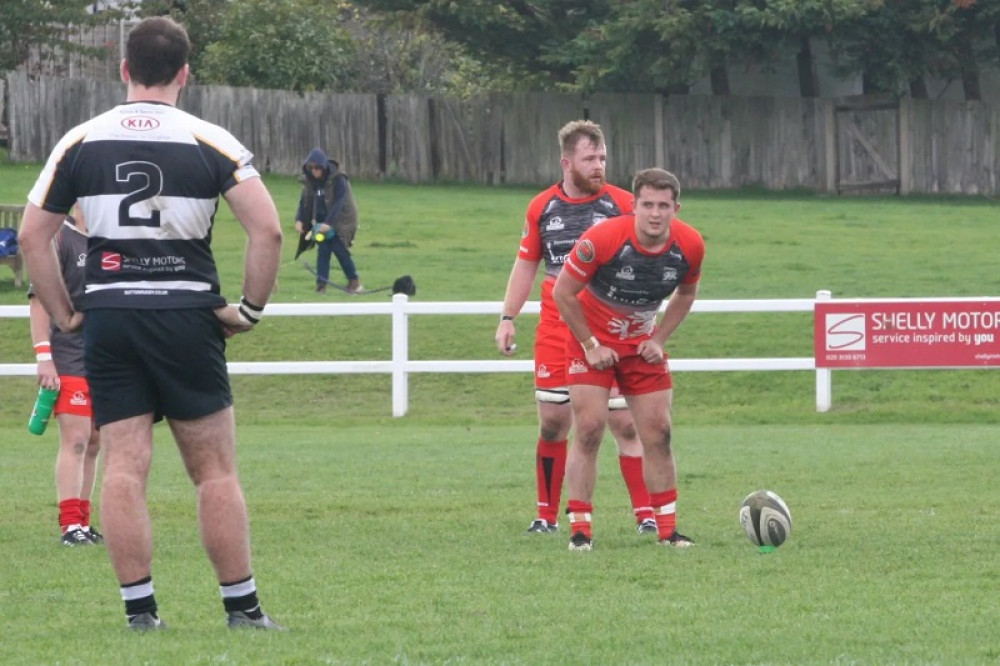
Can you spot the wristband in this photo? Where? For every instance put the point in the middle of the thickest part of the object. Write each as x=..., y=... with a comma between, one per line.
x=590, y=344
x=43, y=351
x=504, y=317
x=250, y=313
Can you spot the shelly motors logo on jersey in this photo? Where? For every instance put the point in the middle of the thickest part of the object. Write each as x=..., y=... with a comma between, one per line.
x=140, y=123
x=111, y=261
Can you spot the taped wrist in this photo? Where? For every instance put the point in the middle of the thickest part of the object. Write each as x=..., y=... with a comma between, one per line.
x=250, y=313
x=43, y=351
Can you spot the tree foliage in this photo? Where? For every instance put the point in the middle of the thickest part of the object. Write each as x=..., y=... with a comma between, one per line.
x=465, y=46
x=666, y=45
x=517, y=40
x=296, y=45
x=27, y=24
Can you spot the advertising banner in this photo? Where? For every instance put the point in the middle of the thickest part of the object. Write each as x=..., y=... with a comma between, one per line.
x=935, y=333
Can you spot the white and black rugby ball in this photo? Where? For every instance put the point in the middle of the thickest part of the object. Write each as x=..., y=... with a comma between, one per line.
x=765, y=518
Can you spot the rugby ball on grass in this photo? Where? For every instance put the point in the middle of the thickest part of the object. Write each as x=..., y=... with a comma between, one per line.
x=765, y=518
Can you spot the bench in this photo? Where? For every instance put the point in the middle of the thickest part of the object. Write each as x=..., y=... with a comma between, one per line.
x=10, y=216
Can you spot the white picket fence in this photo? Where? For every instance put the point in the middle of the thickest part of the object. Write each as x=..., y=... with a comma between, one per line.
x=400, y=366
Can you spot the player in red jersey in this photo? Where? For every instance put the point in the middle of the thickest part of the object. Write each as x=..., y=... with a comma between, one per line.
x=60, y=367
x=554, y=222
x=616, y=278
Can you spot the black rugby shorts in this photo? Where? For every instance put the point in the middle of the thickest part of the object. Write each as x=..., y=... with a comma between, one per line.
x=168, y=362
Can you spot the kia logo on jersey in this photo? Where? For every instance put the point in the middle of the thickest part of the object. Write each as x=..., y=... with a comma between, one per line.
x=140, y=123
x=111, y=261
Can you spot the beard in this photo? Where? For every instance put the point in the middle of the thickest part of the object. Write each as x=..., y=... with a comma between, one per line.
x=585, y=184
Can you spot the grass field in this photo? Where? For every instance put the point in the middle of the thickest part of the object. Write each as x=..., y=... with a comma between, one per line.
x=399, y=541
x=403, y=545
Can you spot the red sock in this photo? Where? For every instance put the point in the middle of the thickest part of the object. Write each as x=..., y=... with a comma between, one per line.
x=550, y=468
x=665, y=510
x=70, y=513
x=580, y=517
x=85, y=510
x=632, y=473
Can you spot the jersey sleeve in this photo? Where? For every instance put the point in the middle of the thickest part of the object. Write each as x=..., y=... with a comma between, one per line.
x=623, y=199
x=53, y=191
x=231, y=160
x=693, y=246
x=530, y=248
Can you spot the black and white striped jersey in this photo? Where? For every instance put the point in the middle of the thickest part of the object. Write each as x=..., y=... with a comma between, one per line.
x=148, y=177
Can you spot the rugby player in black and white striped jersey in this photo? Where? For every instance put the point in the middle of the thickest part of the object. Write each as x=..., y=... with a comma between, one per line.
x=148, y=178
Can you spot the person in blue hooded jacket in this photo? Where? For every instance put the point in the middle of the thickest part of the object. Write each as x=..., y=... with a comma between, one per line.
x=327, y=209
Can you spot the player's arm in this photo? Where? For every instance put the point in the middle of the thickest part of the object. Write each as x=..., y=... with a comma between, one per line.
x=38, y=227
x=565, y=293
x=40, y=326
x=519, y=284
x=252, y=205
x=678, y=308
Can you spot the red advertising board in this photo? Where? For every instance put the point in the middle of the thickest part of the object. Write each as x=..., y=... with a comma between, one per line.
x=934, y=333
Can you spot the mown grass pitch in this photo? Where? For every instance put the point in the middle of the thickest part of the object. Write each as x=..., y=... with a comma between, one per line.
x=405, y=544
x=385, y=541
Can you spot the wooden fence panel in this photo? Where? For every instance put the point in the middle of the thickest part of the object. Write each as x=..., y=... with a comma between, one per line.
x=696, y=141
x=465, y=140
x=717, y=142
x=629, y=123
x=867, y=145
x=952, y=146
x=710, y=142
x=408, y=138
x=530, y=124
x=777, y=143
x=43, y=109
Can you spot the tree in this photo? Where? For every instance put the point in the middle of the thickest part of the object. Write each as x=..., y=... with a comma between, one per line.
x=296, y=45
x=898, y=43
x=520, y=37
x=27, y=24
x=203, y=20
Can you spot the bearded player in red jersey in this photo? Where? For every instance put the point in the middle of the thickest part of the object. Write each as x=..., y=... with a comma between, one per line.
x=609, y=293
x=554, y=222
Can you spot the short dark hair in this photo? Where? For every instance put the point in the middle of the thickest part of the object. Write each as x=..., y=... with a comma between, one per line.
x=658, y=179
x=156, y=51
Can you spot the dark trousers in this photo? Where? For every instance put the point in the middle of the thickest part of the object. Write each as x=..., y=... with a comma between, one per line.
x=333, y=245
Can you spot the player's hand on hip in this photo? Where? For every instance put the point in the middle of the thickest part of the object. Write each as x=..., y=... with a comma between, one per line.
x=74, y=323
x=505, y=338
x=298, y=226
x=651, y=352
x=229, y=315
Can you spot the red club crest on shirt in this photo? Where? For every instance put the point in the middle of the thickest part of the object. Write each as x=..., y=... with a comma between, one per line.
x=585, y=251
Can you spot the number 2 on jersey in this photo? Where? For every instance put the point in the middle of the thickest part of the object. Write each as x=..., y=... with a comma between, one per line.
x=149, y=179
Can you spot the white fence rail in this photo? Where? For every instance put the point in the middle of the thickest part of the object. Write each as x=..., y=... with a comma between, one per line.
x=400, y=366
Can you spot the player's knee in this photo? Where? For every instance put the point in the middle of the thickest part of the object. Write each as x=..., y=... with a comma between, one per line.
x=554, y=428
x=660, y=439
x=589, y=432
x=75, y=446
x=624, y=431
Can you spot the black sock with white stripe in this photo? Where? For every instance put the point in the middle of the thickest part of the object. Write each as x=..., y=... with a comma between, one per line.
x=241, y=596
x=138, y=597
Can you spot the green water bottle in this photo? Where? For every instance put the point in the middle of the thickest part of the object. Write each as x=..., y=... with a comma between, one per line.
x=42, y=410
